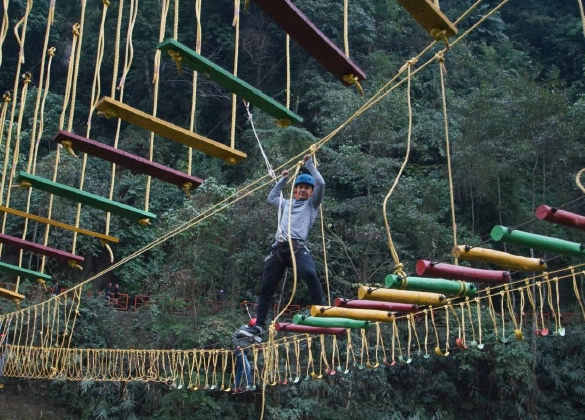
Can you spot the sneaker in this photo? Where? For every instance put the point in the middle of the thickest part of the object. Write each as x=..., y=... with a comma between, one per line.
x=251, y=331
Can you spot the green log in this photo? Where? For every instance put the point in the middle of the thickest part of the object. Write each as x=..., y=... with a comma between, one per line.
x=425, y=284
x=330, y=322
x=531, y=240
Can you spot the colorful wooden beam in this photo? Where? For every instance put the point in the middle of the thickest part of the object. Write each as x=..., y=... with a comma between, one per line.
x=127, y=160
x=111, y=108
x=531, y=240
x=401, y=296
x=286, y=15
x=41, y=249
x=185, y=56
x=561, y=217
x=455, y=272
x=499, y=258
x=428, y=15
x=359, y=314
x=420, y=284
x=294, y=328
x=313, y=321
x=10, y=295
x=80, y=196
x=372, y=304
x=51, y=222
x=23, y=272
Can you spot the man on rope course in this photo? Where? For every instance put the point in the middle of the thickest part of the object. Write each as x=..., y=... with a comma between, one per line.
x=308, y=195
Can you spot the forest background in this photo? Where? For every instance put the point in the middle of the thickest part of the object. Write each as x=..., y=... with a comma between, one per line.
x=516, y=113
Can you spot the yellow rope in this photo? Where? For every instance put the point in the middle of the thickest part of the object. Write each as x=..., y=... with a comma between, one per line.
x=345, y=26
x=236, y=25
x=193, y=114
x=580, y=2
x=441, y=61
x=393, y=251
x=578, y=180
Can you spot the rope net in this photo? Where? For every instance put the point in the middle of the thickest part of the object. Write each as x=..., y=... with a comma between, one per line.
x=35, y=341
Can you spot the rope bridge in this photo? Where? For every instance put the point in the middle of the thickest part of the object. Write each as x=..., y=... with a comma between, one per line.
x=35, y=340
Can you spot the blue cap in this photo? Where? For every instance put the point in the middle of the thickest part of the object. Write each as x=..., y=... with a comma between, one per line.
x=305, y=179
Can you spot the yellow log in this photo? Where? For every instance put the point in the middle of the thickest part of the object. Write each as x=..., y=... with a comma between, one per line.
x=499, y=258
x=360, y=314
x=401, y=296
x=10, y=295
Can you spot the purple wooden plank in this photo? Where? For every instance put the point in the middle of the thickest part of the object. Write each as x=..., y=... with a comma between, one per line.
x=128, y=160
x=286, y=15
x=40, y=249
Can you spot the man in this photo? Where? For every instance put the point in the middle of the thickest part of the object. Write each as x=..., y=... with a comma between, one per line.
x=243, y=369
x=308, y=194
x=56, y=289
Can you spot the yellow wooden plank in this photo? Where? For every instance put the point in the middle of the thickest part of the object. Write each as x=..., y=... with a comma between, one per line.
x=111, y=108
x=10, y=295
x=428, y=15
x=59, y=224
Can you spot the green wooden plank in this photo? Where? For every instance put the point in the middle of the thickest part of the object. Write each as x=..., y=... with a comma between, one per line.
x=194, y=61
x=84, y=197
x=22, y=272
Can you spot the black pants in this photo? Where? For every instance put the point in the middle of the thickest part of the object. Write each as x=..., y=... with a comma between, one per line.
x=275, y=265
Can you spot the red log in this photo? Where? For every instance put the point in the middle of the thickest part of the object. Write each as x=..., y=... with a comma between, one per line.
x=40, y=249
x=561, y=217
x=372, y=304
x=454, y=272
x=290, y=327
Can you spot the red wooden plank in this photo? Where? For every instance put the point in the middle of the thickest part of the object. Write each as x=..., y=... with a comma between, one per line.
x=128, y=160
x=286, y=15
x=40, y=249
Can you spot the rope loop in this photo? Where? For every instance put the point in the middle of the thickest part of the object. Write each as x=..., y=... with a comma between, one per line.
x=68, y=145
x=578, y=180
x=187, y=189
x=353, y=80
x=51, y=51
x=440, y=35
x=176, y=56
x=106, y=3
x=76, y=29
x=7, y=97
x=283, y=122
x=26, y=78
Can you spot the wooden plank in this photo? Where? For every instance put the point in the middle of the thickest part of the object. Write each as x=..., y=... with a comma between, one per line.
x=128, y=160
x=428, y=15
x=111, y=108
x=286, y=15
x=23, y=272
x=212, y=71
x=40, y=249
x=55, y=223
x=84, y=197
x=10, y=295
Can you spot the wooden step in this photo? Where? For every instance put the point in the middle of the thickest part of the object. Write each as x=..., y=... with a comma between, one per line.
x=23, y=272
x=128, y=160
x=111, y=108
x=84, y=197
x=286, y=15
x=232, y=83
x=10, y=295
x=428, y=15
x=40, y=249
x=55, y=223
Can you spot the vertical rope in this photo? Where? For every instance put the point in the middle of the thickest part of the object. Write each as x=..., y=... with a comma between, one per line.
x=580, y=3
x=236, y=24
x=441, y=61
x=4, y=29
x=346, y=26
x=155, y=81
x=194, y=81
x=287, y=71
x=393, y=251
